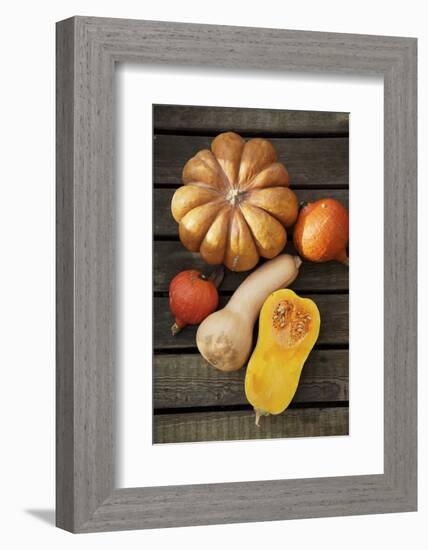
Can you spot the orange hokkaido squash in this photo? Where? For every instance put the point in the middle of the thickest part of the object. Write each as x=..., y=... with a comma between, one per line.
x=235, y=203
x=288, y=329
x=322, y=230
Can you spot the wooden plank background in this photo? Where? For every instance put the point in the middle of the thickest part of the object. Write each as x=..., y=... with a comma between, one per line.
x=193, y=401
x=312, y=162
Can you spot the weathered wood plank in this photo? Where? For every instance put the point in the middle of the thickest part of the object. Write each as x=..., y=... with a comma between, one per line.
x=164, y=224
x=312, y=277
x=223, y=426
x=333, y=310
x=187, y=380
x=248, y=121
x=310, y=162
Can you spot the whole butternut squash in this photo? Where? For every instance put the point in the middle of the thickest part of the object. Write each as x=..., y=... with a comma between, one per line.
x=224, y=338
x=288, y=329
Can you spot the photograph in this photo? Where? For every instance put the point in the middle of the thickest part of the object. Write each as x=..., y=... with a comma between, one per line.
x=250, y=273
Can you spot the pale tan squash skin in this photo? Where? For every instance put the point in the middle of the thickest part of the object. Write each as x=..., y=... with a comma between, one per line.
x=235, y=203
x=224, y=338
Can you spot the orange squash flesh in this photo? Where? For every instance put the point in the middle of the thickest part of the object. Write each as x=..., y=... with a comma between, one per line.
x=288, y=329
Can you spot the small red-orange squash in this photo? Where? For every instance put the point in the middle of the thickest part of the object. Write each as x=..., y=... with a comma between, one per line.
x=235, y=203
x=192, y=297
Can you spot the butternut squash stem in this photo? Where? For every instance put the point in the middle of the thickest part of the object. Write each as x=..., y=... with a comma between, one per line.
x=259, y=414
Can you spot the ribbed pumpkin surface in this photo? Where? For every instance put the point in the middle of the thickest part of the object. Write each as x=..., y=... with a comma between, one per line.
x=235, y=202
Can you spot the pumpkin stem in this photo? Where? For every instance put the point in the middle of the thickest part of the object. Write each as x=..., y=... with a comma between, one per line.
x=233, y=197
x=217, y=276
x=175, y=329
x=343, y=258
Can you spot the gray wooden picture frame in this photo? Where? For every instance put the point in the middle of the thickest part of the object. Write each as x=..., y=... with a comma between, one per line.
x=87, y=50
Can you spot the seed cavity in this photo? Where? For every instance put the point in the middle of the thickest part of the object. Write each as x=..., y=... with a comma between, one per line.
x=291, y=321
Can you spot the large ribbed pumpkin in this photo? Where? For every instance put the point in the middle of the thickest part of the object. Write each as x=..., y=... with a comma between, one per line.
x=235, y=202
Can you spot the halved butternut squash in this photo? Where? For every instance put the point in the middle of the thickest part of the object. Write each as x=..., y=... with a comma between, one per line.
x=288, y=329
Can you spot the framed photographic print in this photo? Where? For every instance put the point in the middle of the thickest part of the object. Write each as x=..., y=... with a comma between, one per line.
x=236, y=274
x=192, y=400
